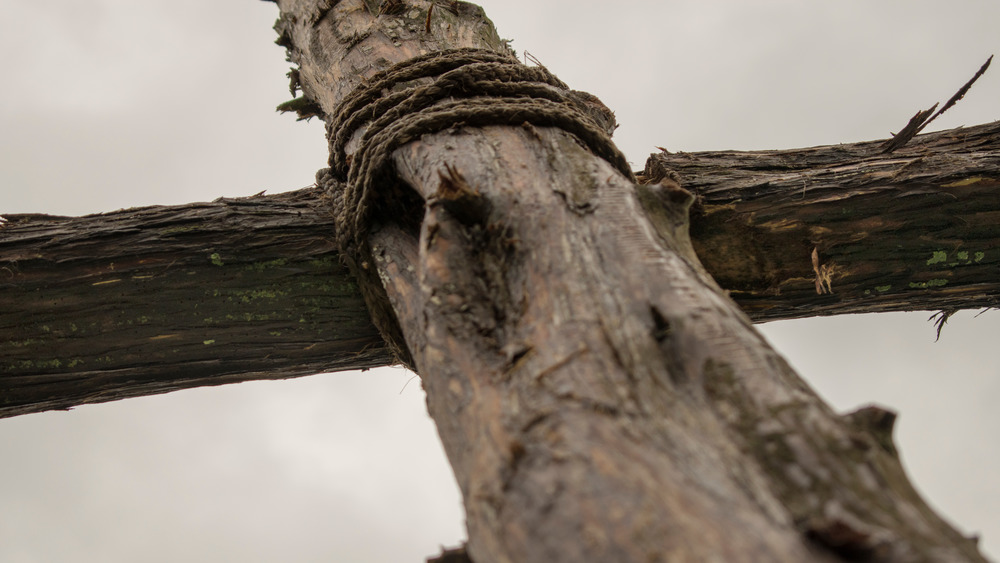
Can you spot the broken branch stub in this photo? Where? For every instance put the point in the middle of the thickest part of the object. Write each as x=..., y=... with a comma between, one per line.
x=923, y=118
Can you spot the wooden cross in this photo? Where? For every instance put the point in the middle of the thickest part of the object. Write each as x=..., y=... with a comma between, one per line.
x=594, y=367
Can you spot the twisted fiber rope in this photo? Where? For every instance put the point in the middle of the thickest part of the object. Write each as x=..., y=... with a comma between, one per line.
x=422, y=66
x=473, y=88
x=495, y=79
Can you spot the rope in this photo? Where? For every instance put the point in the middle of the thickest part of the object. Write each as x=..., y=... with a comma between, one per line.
x=469, y=87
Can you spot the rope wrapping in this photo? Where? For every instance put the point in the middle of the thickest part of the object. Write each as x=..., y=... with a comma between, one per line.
x=469, y=87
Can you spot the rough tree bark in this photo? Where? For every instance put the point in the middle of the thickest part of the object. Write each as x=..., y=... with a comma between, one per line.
x=888, y=230
x=914, y=230
x=243, y=291
x=597, y=394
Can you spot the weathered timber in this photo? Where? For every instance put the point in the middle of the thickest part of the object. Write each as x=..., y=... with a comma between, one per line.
x=915, y=230
x=150, y=300
x=599, y=398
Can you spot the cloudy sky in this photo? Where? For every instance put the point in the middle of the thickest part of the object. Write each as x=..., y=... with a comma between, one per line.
x=111, y=104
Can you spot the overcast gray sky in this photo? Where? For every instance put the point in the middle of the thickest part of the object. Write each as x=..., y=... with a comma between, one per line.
x=115, y=103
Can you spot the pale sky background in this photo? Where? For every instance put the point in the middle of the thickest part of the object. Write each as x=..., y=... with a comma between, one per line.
x=111, y=104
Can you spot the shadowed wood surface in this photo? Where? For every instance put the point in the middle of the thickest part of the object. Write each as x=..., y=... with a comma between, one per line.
x=151, y=300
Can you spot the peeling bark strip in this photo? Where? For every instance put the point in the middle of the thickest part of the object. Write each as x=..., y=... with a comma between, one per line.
x=152, y=300
x=599, y=399
x=923, y=118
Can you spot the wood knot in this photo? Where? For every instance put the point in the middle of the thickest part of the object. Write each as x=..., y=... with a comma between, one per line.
x=460, y=199
x=878, y=423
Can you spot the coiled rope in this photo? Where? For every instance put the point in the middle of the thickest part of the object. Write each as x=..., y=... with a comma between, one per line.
x=470, y=87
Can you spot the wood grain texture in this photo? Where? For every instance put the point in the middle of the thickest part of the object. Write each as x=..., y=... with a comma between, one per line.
x=600, y=400
x=598, y=396
x=915, y=230
x=151, y=300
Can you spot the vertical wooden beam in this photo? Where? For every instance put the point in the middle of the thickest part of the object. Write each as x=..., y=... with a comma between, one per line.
x=598, y=396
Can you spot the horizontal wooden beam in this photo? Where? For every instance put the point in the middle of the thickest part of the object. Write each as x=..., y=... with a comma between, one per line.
x=847, y=228
x=156, y=299
x=151, y=300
